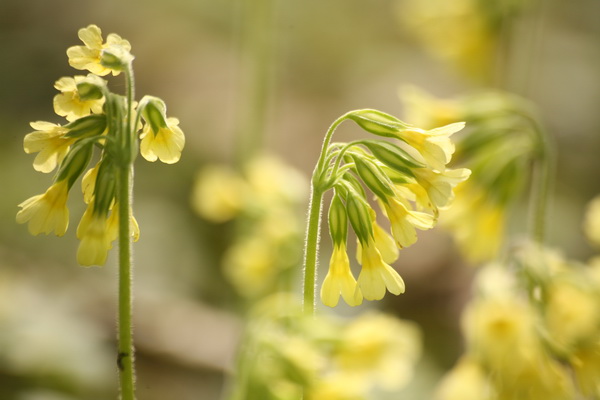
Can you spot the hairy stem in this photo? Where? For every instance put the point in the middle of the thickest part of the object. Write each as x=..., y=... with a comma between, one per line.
x=311, y=249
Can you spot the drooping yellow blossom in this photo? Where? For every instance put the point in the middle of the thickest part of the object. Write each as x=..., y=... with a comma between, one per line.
x=47, y=212
x=404, y=221
x=88, y=56
x=113, y=223
x=88, y=183
x=376, y=276
x=477, y=222
x=49, y=141
x=68, y=104
x=384, y=242
x=434, y=145
x=465, y=381
x=439, y=185
x=379, y=349
x=339, y=280
x=165, y=144
x=95, y=234
x=591, y=223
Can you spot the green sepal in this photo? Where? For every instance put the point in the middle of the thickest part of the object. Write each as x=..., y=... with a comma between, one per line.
x=105, y=187
x=338, y=220
x=76, y=162
x=392, y=155
x=92, y=87
x=373, y=177
x=354, y=184
x=116, y=58
x=154, y=111
x=90, y=125
x=359, y=216
x=377, y=122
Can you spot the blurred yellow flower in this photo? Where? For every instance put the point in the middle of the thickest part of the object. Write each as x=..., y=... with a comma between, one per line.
x=219, y=193
x=376, y=276
x=47, y=212
x=89, y=56
x=249, y=265
x=339, y=280
x=465, y=381
x=591, y=223
x=165, y=144
x=50, y=142
x=95, y=234
x=68, y=104
x=586, y=364
x=338, y=386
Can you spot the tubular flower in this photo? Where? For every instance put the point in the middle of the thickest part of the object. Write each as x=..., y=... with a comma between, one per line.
x=88, y=56
x=376, y=275
x=88, y=183
x=68, y=104
x=384, y=242
x=434, y=145
x=96, y=235
x=404, y=221
x=339, y=280
x=50, y=142
x=439, y=185
x=47, y=212
x=165, y=144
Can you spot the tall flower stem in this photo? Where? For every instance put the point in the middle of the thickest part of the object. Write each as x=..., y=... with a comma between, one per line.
x=543, y=176
x=125, y=358
x=311, y=245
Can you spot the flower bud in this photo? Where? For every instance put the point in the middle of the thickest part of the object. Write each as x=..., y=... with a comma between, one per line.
x=116, y=58
x=377, y=122
x=338, y=220
x=373, y=177
x=76, y=161
x=392, y=155
x=359, y=216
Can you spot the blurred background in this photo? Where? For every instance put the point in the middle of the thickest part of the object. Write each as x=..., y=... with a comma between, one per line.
x=245, y=78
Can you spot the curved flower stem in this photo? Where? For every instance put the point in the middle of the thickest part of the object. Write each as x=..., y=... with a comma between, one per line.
x=311, y=249
x=125, y=357
x=543, y=176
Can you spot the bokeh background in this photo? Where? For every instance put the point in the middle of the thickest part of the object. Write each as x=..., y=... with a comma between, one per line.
x=315, y=61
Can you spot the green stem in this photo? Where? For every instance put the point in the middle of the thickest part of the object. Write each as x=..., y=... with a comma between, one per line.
x=543, y=175
x=125, y=357
x=312, y=249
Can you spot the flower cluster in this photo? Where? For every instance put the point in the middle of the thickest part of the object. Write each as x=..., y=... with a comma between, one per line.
x=288, y=355
x=502, y=141
x=96, y=119
x=408, y=177
x=531, y=335
x=264, y=201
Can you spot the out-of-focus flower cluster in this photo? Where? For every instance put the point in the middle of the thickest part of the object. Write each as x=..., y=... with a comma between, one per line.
x=265, y=199
x=96, y=119
x=463, y=33
x=287, y=355
x=499, y=145
x=408, y=178
x=532, y=330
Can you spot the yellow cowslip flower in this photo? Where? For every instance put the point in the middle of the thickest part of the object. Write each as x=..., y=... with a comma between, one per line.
x=465, y=381
x=379, y=349
x=434, y=145
x=47, y=212
x=68, y=104
x=404, y=221
x=591, y=223
x=339, y=280
x=113, y=224
x=166, y=144
x=219, y=193
x=384, y=242
x=88, y=183
x=376, y=276
x=96, y=235
x=50, y=142
x=439, y=185
x=88, y=56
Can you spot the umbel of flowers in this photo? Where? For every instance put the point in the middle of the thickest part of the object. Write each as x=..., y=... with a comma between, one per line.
x=97, y=120
x=406, y=176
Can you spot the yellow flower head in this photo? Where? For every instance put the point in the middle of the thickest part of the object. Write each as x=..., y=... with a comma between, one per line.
x=404, y=221
x=50, y=142
x=339, y=280
x=96, y=235
x=219, y=193
x=434, y=145
x=47, y=212
x=439, y=185
x=88, y=183
x=376, y=276
x=89, y=56
x=68, y=104
x=166, y=143
x=466, y=381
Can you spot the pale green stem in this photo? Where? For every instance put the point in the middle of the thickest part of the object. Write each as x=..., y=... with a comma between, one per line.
x=311, y=245
x=543, y=176
x=125, y=357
